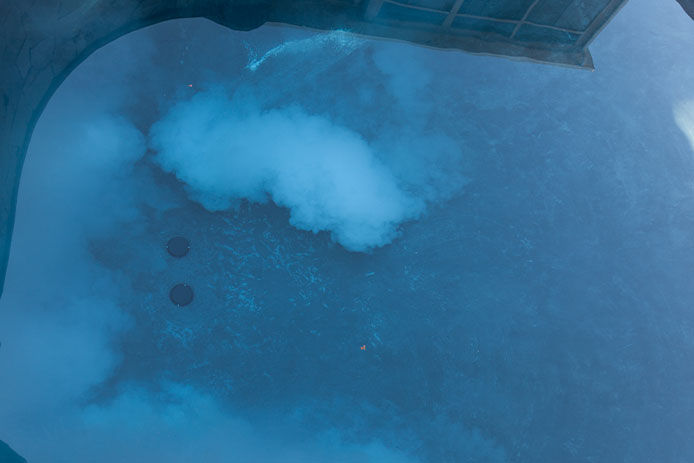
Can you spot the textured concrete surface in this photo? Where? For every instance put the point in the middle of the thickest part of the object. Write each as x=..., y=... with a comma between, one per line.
x=41, y=41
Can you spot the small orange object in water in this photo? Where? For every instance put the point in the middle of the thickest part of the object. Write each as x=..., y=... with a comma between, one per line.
x=190, y=85
x=363, y=347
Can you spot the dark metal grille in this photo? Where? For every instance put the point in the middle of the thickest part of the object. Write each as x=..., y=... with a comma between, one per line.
x=548, y=23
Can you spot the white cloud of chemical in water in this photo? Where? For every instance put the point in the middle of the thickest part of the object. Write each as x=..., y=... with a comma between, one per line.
x=60, y=308
x=338, y=42
x=684, y=117
x=180, y=424
x=61, y=311
x=327, y=175
x=240, y=144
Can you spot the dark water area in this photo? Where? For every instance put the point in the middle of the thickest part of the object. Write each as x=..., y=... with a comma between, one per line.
x=534, y=304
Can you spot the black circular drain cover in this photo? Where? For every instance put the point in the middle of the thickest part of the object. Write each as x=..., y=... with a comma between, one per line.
x=181, y=294
x=178, y=246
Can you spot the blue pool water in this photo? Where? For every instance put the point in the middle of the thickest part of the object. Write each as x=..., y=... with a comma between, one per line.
x=511, y=243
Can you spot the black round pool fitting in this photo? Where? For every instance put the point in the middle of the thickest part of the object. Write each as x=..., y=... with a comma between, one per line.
x=178, y=246
x=181, y=294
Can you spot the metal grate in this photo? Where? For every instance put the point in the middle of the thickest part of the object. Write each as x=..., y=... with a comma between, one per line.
x=550, y=23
